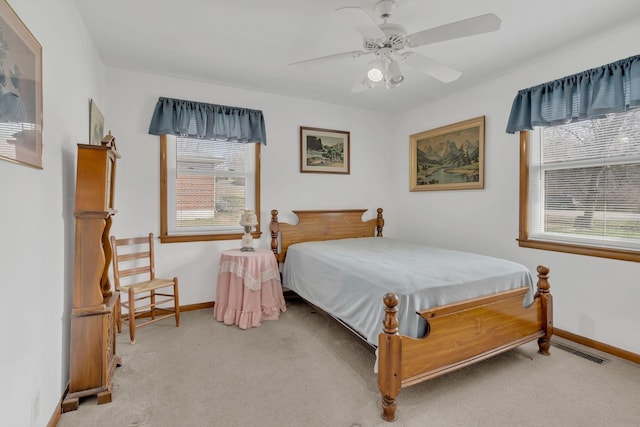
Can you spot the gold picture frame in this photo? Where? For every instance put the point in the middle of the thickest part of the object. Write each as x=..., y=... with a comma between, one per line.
x=324, y=150
x=448, y=158
x=21, y=91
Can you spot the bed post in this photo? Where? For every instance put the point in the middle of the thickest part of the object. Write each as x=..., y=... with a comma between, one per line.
x=379, y=223
x=389, y=358
x=546, y=301
x=274, y=227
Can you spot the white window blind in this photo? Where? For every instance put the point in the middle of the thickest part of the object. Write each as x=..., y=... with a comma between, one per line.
x=584, y=182
x=210, y=184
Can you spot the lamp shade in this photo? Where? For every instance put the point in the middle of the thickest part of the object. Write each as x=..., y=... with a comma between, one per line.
x=248, y=218
x=394, y=74
x=376, y=70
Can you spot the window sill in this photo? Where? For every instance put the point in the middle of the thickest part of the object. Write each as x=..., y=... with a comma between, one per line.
x=619, y=254
x=205, y=237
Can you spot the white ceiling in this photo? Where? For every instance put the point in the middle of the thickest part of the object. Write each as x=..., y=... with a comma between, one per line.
x=249, y=43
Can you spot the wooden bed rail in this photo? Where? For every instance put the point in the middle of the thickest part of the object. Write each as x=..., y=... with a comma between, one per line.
x=487, y=325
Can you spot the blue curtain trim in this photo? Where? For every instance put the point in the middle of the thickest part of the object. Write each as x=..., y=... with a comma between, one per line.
x=588, y=95
x=207, y=121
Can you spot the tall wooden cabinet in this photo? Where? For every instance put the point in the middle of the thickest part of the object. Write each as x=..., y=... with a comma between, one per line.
x=95, y=305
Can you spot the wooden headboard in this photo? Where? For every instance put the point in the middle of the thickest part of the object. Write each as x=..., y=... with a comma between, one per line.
x=322, y=225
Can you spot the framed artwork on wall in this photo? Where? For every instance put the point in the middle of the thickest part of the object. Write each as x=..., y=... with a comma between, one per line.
x=96, y=124
x=20, y=91
x=448, y=158
x=324, y=150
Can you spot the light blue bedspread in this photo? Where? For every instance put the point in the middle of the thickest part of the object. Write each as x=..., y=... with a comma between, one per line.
x=348, y=278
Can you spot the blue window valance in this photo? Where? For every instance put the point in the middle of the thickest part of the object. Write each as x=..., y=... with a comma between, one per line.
x=207, y=121
x=591, y=94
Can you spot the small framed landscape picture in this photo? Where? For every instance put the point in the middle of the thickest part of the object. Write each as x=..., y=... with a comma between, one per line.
x=96, y=124
x=324, y=150
x=448, y=158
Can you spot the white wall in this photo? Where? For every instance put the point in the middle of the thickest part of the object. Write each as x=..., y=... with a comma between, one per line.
x=36, y=226
x=593, y=297
x=131, y=101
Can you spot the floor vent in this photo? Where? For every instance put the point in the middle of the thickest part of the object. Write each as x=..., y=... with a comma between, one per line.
x=584, y=355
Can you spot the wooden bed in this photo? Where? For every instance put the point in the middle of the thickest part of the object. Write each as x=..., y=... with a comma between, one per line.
x=458, y=334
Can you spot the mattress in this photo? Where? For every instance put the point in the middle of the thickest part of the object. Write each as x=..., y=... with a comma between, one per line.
x=348, y=278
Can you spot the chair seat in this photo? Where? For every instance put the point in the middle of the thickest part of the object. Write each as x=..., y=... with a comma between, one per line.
x=147, y=285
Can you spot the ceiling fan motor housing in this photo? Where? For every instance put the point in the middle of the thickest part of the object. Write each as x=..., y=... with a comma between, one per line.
x=394, y=40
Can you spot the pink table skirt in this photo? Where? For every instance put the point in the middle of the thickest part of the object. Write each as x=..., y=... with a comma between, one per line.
x=248, y=289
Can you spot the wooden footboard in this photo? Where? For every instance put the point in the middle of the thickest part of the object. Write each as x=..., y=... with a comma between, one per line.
x=459, y=335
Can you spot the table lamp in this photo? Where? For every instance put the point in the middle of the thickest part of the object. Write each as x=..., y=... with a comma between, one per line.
x=248, y=220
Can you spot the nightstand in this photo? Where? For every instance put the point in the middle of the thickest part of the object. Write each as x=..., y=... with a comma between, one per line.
x=248, y=288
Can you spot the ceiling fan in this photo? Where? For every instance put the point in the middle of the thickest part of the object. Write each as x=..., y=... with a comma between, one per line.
x=388, y=41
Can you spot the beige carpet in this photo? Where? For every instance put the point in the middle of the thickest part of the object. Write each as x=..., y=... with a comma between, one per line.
x=303, y=370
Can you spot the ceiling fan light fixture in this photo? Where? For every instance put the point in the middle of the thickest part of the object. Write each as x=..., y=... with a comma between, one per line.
x=394, y=75
x=375, y=74
x=376, y=70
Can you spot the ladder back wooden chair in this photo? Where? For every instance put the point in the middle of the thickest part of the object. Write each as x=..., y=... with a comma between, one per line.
x=149, y=299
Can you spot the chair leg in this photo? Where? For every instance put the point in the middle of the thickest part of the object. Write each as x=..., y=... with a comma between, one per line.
x=153, y=304
x=119, y=315
x=176, y=301
x=132, y=316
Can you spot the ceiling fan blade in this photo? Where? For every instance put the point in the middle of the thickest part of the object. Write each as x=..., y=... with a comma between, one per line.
x=467, y=27
x=361, y=84
x=429, y=66
x=352, y=54
x=359, y=19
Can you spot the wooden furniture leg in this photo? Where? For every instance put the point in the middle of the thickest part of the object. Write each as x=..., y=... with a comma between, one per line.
x=546, y=301
x=104, y=397
x=132, y=316
x=389, y=358
x=177, y=302
x=69, y=405
x=119, y=318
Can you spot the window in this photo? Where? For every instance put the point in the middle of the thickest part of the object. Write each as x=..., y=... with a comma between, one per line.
x=205, y=187
x=580, y=187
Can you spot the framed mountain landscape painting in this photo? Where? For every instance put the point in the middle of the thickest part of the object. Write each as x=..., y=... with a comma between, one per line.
x=448, y=158
x=324, y=150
